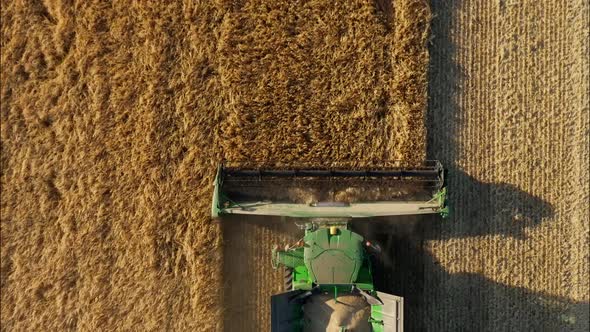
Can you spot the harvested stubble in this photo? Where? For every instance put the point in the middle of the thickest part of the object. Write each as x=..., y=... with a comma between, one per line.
x=509, y=115
x=115, y=114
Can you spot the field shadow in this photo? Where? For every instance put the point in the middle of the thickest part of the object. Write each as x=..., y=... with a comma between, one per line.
x=499, y=208
x=468, y=301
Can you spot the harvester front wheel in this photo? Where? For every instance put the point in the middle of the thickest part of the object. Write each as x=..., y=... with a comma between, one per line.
x=288, y=273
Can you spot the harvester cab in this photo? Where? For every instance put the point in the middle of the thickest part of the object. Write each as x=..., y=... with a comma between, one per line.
x=331, y=263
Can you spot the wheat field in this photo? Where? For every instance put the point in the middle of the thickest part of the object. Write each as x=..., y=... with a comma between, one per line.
x=114, y=116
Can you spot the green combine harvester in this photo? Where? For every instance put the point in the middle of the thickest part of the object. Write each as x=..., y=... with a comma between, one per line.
x=331, y=262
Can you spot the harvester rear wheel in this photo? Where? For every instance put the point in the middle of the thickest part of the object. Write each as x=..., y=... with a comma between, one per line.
x=288, y=273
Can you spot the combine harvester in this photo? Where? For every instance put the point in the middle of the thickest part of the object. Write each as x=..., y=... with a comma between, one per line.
x=331, y=264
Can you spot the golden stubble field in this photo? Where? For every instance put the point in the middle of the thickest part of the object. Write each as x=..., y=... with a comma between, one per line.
x=509, y=116
x=115, y=114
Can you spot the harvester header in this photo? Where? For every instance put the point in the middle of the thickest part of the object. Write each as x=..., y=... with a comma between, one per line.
x=330, y=192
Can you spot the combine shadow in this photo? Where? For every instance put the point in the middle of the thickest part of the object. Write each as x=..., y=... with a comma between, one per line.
x=463, y=301
x=480, y=208
x=471, y=301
